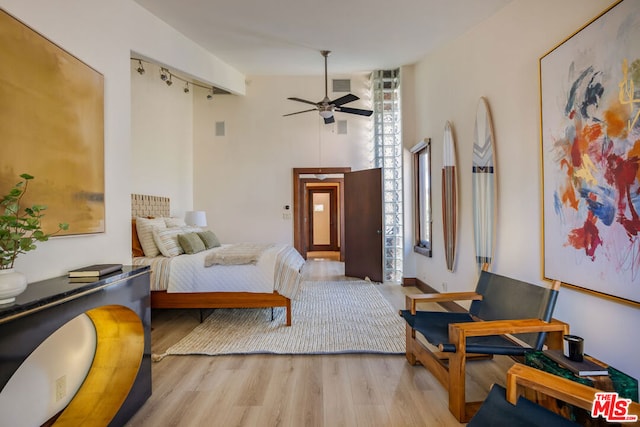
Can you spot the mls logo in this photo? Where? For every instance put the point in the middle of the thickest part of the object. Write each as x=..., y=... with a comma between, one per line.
x=612, y=408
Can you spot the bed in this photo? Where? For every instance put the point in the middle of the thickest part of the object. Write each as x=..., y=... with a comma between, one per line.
x=243, y=275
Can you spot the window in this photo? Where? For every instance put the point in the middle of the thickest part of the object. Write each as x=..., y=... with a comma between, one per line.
x=422, y=177
x=388, y=156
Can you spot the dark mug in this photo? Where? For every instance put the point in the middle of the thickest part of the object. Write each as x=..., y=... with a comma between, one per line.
x=574, y=347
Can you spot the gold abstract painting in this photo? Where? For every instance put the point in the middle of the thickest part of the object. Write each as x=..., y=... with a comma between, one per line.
x=51, y=127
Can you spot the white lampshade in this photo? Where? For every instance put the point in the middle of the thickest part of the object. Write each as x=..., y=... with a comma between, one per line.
x=325, y=114
x=196, y=218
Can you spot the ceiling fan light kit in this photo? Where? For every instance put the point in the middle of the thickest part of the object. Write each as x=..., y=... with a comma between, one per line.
x=326, y=107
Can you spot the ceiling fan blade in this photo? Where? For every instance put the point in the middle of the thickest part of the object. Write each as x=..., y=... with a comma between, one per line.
x=300, y=112
x=303, y=100
x=329, y=120
x=354, y=111
x=344, y=100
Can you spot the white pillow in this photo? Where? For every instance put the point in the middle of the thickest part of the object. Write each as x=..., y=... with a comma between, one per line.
x=144, y=226
x=174, y=222
x=167, y=241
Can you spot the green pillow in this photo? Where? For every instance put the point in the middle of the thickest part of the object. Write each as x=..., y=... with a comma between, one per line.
x=190, y=243
x=209, y=238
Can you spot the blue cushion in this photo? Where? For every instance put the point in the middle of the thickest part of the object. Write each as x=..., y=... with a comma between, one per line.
x=434, y=325
x=496, y=411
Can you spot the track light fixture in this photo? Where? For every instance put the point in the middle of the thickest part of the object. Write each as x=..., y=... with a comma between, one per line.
x=167, y=77
x=164, y=74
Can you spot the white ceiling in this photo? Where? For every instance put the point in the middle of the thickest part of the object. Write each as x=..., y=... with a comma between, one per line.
x=284, y=37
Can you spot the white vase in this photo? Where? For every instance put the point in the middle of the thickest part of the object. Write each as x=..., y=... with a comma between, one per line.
x=12, y=283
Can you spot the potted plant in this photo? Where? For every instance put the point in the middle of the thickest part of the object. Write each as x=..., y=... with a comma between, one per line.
x=20, y=229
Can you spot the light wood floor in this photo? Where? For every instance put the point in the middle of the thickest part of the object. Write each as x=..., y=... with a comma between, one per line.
x=274, y=390
x=324, y=255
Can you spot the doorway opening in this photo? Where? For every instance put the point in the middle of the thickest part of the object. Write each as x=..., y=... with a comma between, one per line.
x=323, y=217
x=318, y=212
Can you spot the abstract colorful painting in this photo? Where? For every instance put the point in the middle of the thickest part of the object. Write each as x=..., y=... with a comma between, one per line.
x=590, y=112
x=51, y=127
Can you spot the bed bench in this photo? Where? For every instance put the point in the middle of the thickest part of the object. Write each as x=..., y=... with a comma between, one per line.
x=506, y=316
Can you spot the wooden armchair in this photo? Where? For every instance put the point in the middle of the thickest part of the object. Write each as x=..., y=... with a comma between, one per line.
x=506, y=317
x=508, y=408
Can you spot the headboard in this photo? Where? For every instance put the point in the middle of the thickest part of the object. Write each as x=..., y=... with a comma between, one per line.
x=143, y=205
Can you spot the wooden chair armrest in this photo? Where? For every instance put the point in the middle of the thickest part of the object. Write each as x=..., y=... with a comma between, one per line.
x=520, y=376
x=502, y=327
x=412, y=300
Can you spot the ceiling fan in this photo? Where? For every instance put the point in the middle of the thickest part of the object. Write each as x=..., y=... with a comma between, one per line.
x=326, y=107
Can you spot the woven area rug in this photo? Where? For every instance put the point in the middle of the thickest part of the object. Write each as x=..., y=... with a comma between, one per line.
x=327, y=317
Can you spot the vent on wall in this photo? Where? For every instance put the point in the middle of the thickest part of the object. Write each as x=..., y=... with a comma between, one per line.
x=341, y=85
x=341, y=127
x=219, y=128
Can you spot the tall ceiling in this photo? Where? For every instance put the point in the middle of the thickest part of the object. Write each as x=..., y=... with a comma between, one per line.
x=284, y=37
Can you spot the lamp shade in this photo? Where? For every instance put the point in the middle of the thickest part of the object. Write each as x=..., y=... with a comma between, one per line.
x=196, y=218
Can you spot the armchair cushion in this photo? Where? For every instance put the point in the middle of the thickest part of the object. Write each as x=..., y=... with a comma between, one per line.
x=496, y=411
x=434, y=325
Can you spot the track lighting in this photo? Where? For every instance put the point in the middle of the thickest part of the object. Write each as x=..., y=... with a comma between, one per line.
x=167, y=77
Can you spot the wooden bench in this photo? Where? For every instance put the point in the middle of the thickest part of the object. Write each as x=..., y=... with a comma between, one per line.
x=506, y=316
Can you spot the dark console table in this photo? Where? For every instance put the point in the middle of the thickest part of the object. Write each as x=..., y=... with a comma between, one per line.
x=119, y=380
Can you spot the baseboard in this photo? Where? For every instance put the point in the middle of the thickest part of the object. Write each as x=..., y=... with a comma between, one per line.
x=409, y=281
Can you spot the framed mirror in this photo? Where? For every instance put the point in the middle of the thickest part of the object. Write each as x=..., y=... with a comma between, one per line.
x=422, y=189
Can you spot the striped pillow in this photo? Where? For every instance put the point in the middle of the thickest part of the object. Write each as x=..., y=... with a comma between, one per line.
x=167, y=241
x=144, y=226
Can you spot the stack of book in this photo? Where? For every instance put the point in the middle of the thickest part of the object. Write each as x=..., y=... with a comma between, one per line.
x=93, y=273
x=585, y=368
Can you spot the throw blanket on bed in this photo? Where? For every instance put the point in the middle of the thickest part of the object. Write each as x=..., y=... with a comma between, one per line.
x=159, y=270
x=288, y=272
x=236, y=254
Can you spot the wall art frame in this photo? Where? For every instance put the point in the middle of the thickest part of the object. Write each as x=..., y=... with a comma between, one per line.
x=590, y=150
x=52, y=127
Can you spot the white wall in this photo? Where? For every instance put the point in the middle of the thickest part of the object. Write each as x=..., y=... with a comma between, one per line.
x=103, y=34
x=244, y=179
x=408, y=101
x=161, y=138
x=498, y=59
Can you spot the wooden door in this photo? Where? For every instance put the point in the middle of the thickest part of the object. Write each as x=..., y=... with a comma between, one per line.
x=363, y=224
x=323, y=222
x=300, y=203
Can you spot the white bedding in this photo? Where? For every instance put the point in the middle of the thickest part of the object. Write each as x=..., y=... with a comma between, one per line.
x=277, y=268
